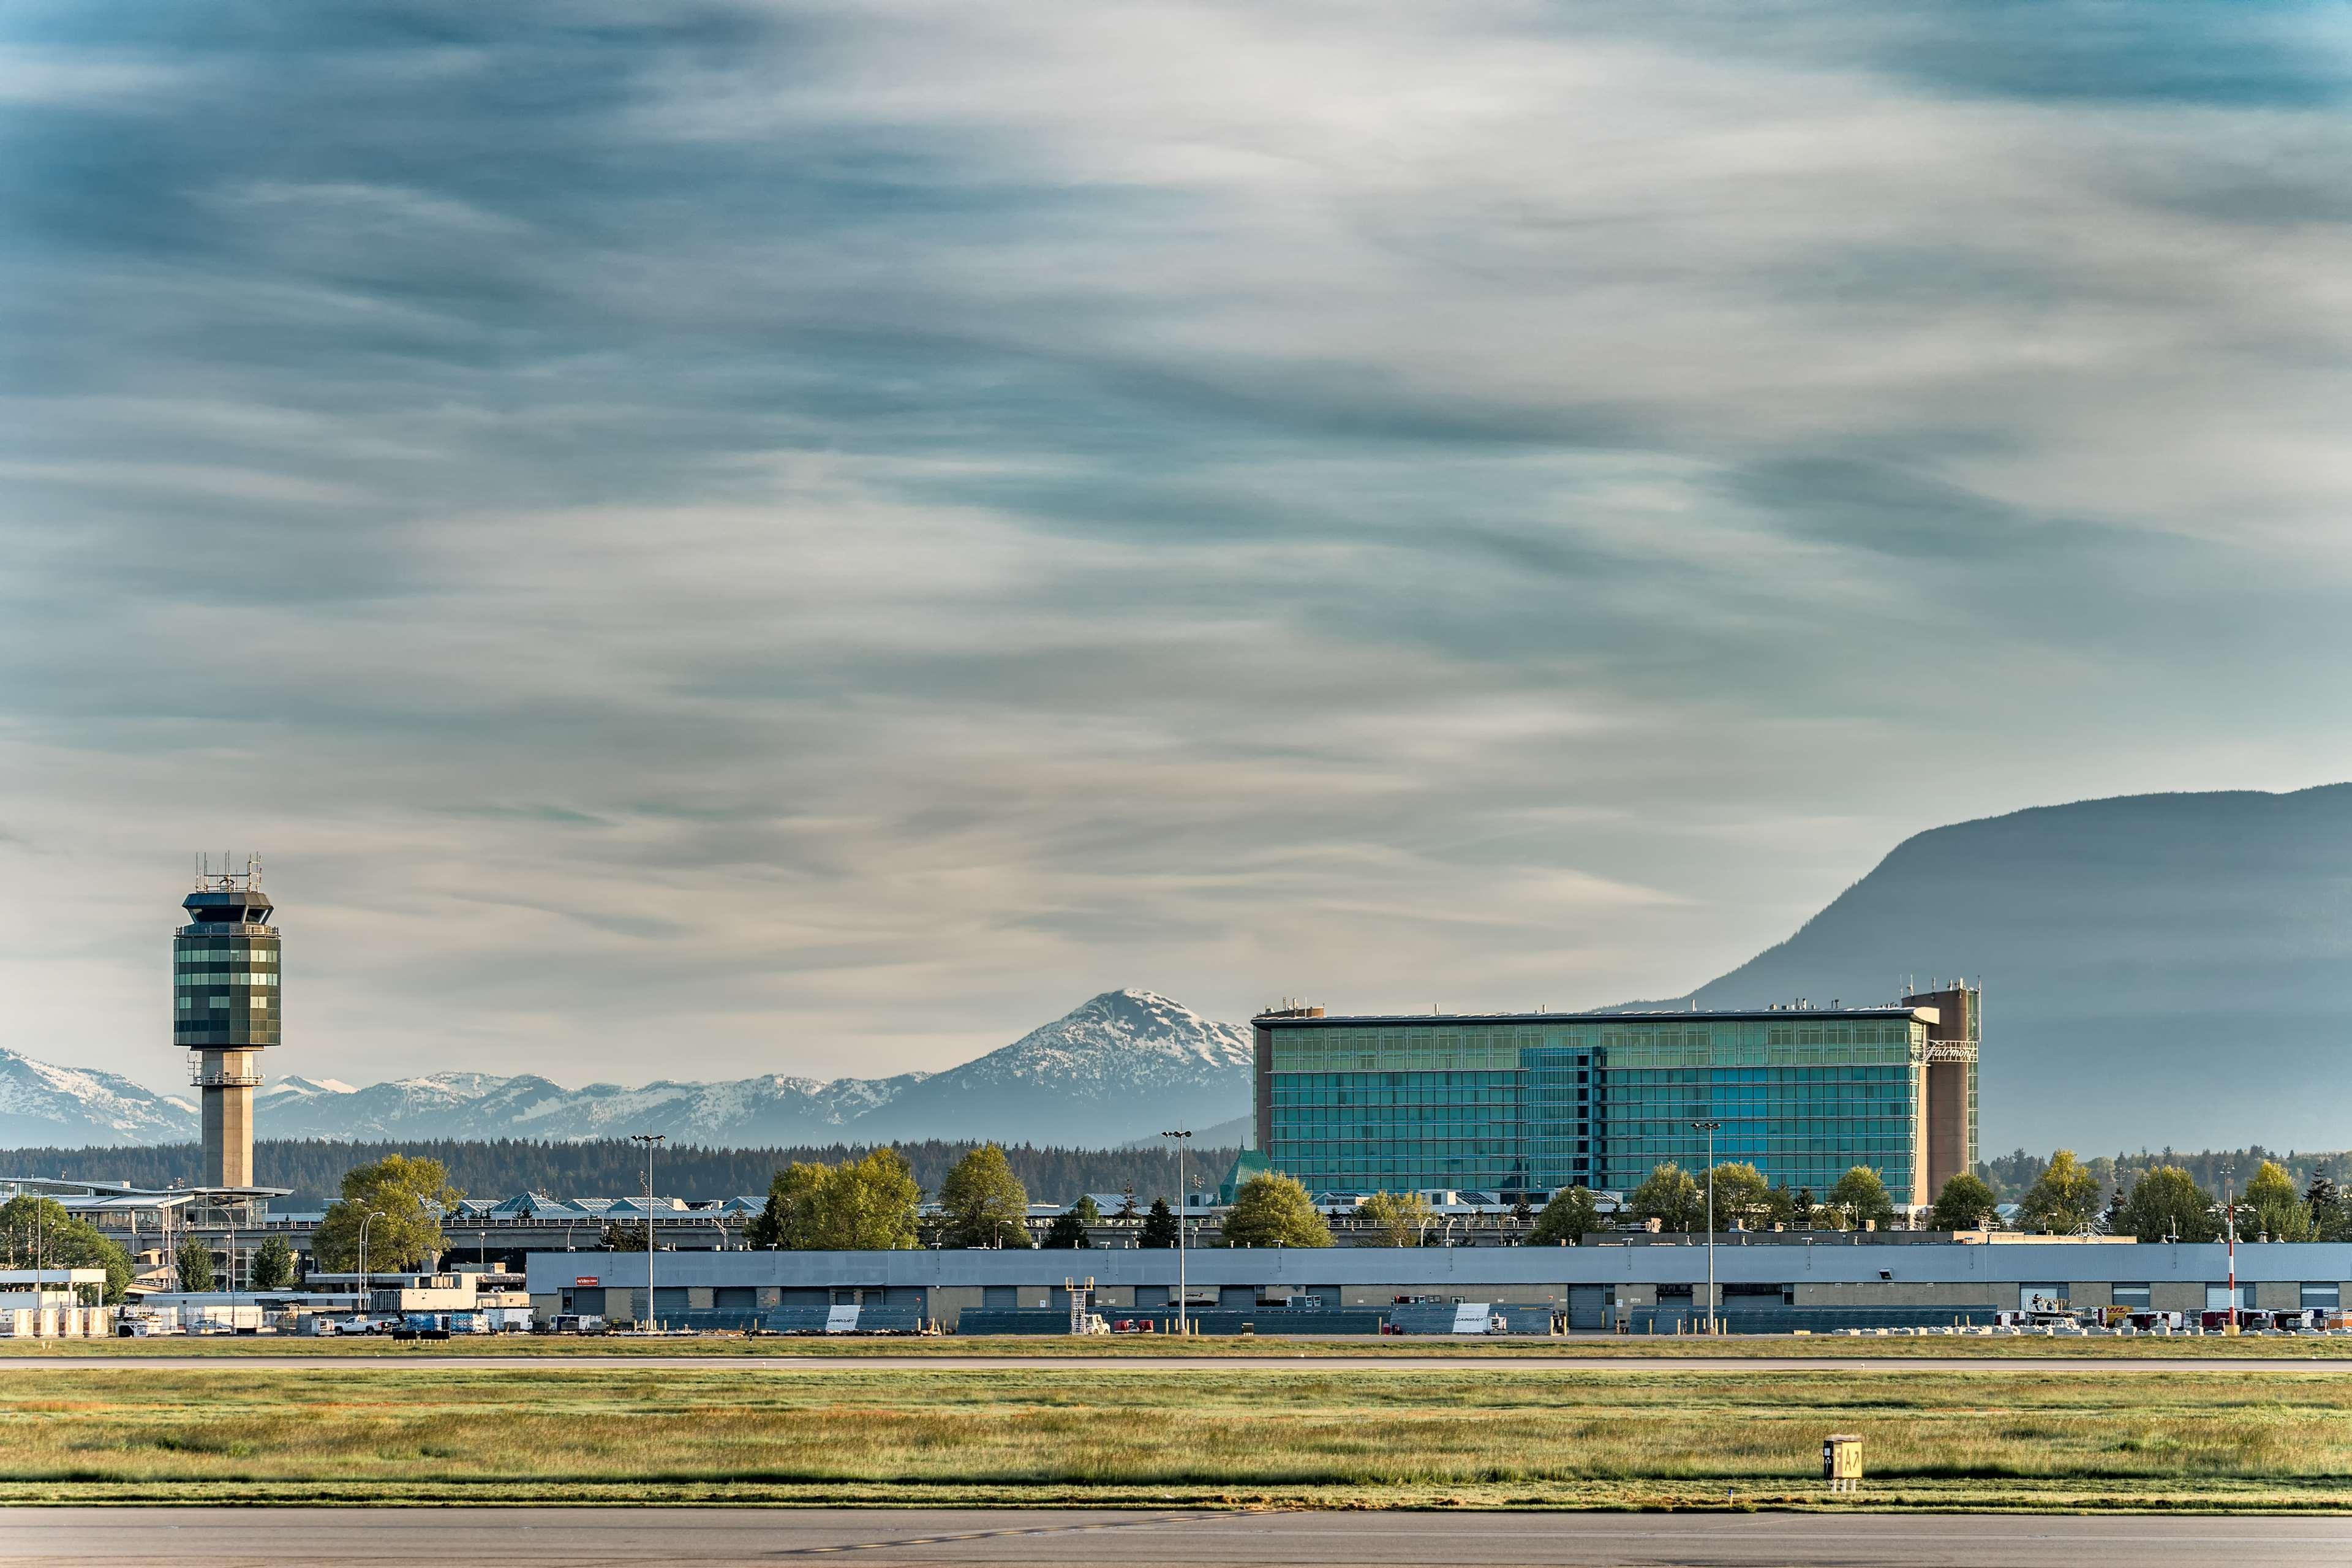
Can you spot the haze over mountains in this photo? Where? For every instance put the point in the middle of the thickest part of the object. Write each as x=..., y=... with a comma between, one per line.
x=2158, y=969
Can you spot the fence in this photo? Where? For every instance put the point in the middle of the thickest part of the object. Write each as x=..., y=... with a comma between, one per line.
x=1785, y=1319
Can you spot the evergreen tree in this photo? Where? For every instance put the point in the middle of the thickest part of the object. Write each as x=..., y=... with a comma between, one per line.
x=1275, y=1211
x=1160, y=1228
x=1801, y=1214
x=1069, y=1228
x=982, y=1204
x=2324, y=1204
x=194, y=1261
x=272, y=1265
x=1572, y=1215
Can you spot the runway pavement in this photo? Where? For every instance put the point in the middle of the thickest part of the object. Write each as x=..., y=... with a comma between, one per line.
x=344, y=1538
x=788, y=1362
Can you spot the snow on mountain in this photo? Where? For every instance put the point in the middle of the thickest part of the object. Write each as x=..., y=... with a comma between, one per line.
x=758, y=1110
x=1117, y=1066
x=41, y=1104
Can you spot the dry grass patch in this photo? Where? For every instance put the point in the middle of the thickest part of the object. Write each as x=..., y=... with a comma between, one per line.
x=1522, y=1437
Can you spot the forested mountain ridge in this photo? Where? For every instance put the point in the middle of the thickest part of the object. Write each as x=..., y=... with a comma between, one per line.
x=2157, y=969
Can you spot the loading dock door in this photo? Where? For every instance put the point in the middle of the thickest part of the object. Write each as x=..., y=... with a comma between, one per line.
x=1587, y=1306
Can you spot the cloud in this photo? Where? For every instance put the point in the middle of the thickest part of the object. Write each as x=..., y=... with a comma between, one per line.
x=815, y=538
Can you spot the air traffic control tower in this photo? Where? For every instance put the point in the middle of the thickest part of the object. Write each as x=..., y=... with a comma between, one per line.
x=224, y=997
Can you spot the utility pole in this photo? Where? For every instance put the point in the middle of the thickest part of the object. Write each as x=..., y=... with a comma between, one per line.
x=1710, y=1129
x=648, y=1140
x=1183, y=1304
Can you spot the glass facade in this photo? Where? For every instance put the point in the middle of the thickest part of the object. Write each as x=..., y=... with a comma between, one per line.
x=1524, y=1104
x=224, y=970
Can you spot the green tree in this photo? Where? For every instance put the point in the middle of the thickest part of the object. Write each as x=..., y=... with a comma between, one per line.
x=1572, y=1215
x=272, y=1265
x=2278, y=1208
x=1069, y=1228
x=1159, y=1227
x=1399, y=1219
x=1966, y=1203
x=1742, y=1198
x=2168, y=1203
x=408, y=1197
x=982, y=1204
x=193, y=1259
x=1802, y=1216
x=2063, y=1198
x=1275, y=1211
x=2324, y=1203
x=1860, y=1195
x=43, y=1232
x=858, y=1206
x=1671, y=1198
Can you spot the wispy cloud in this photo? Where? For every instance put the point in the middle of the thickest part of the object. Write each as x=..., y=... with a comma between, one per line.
x=816, y=536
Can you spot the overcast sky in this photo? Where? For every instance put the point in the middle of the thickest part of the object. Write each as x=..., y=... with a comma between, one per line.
x=702, y=540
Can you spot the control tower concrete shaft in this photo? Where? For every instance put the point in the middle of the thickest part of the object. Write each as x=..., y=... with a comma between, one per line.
x=225, y=999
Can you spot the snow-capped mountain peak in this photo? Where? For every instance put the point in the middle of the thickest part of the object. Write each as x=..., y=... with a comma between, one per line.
x=42, y=1103
x=1109, y=1069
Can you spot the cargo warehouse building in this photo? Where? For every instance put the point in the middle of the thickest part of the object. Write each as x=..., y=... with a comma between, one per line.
x=1762, y=1284
x=1533, y=1102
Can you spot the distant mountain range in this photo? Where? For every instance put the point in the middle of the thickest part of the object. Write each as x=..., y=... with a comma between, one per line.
x=2158, y=969
x=1122, y=1065
x=2161, y=969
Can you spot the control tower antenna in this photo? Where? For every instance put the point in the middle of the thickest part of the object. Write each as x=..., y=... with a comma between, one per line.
x=225, y=997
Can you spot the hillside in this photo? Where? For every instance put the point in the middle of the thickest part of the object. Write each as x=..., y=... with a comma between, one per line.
x=2157, y=969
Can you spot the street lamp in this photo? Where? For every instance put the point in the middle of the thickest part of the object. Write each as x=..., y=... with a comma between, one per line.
x=2229, y=1224
x=1710, y=1129
x=369, y=1218
x=648, y=1140
x=1183, y=1323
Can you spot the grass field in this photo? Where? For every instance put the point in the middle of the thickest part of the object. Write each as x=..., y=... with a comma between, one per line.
x=1516, y=1437
x=1065, y=1348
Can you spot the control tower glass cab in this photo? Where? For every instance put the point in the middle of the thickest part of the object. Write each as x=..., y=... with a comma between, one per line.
x=225, y=1001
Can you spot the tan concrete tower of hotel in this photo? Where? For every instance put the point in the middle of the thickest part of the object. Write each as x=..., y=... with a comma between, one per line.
x=225, y=1001
x=1950, y=1122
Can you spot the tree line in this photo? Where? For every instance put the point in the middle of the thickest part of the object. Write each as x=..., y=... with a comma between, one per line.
x=2012, y=1175
x=314, y=1167
x=873, y=1203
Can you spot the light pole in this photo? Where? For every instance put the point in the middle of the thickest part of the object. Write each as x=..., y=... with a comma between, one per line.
x=1710, y=1129
x=369, y=1218
x=648, y=1140
x=1184, y=1321
x=2230, y=1225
